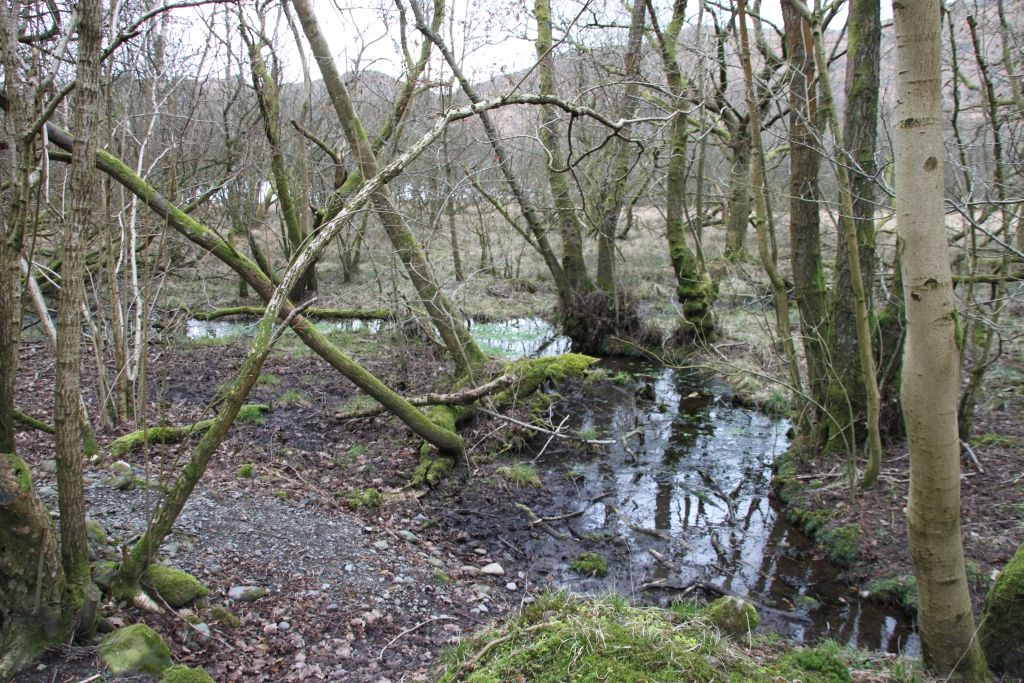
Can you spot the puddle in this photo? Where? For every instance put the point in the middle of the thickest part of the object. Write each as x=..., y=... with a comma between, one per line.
x=223, y=329
x=683, y=498
x=520, y=338
x=516, y=338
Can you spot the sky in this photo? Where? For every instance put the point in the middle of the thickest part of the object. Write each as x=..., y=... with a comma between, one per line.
x=492, y=36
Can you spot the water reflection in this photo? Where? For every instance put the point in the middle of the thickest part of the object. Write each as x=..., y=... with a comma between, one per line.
x=687, y=486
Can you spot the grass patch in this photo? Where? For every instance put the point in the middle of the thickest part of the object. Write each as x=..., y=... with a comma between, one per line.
x=521, y=474
x=268, y=380
x=900, y=591
x=369, y=499
x=290, y=397
x=246, y=471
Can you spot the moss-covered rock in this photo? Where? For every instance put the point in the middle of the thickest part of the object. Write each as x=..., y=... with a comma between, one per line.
x=184, y=674
x=176, y=587
x=1002, y=623
x=896, y=590
x=733, y=616
x=135, y=649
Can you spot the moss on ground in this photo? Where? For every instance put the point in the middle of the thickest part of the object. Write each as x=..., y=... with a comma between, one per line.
x=246, y=470
x=184, y=674
x=900, y=591
x=1003, y=619
x=368, y=498
x=561, y=637
x=222, y=615
x=590, y=564
x=733, y=616
x=176, y=587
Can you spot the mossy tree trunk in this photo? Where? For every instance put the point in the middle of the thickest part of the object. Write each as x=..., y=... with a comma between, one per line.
x=695, y=291
x=847, y=394
x=930, y=361
x=31, y=575
x=268, y=96
x=739, y=194
x=805, y=208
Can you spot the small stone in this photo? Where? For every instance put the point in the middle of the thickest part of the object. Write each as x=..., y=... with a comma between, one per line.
x=270, y=629
x=469, y=569
x=333, y=607
x=246, y=593
x=283, y=626
x=381, y=545
x=479, y=551
x=511, y=585
x=493, y=569
x=49, y=466
x=435, y=562
x=350, y=567
x=409, y=536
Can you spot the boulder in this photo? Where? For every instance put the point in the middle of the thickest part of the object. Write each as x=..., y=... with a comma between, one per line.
x=733, y=616
x=135, y=649
x=1002, y=621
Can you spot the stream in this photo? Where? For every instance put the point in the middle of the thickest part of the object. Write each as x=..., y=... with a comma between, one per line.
x=680, y=500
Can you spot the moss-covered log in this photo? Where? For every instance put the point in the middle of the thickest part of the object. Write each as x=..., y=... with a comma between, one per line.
x=164, y=434
x=30, y=609
x=322, y=313
x=29, y=421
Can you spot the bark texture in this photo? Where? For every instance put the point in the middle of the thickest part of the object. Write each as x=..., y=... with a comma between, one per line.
x=931, y=360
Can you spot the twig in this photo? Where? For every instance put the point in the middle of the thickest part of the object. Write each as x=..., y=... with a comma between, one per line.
x=570, y=515
x=639, y=529
x=542, y=430
x=443, y=617
x=974, y=458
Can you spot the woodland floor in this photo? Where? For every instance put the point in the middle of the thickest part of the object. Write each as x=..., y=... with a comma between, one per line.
x=361, y=602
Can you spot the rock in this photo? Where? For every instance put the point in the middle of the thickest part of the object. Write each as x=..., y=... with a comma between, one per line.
x=103, y=574
x=733, y=616
x=350, y=567
x=493, y=569
x=283, y=626
x=49, y=466
x=435, y=562
x=380, y=545
x=270, y=630
x=121, y=467
x=409, y=536
x=479, y=551
x=135, y=649
x=1003, y=619
x=511, y=585
x=184, y=674
x=469, y=569
x=176, y=587
x=246, y=593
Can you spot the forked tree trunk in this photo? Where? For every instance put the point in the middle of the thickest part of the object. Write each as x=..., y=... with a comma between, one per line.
x=931, y=361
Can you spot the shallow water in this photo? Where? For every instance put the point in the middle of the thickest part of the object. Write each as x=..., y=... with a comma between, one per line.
x=224, y=329
x=682, y=497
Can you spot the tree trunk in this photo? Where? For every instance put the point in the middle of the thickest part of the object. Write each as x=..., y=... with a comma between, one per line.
x=739, y=194
x=931, y=360
x=847, y=395
x=82, y=193
x=30, y=609
x=805, y=205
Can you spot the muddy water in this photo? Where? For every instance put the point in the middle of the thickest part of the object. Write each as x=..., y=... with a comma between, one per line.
x=682, y=500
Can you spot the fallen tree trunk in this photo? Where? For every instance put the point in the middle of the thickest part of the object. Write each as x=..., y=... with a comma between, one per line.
x=164, y=434
x=464, y=397
x=323, y=313
x=29, y=421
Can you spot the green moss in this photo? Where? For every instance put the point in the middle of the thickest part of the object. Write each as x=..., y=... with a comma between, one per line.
x=166, y=434
x=520, y=474
x=824, y=662
x=896, y=590
x=533, y=373
x=281, y=494
x=590, y=564
x=135, y=649
x=622, y=378
x=252, y=413
x=176, y=587
x=432, y=469
x=996, y=440
x=442, y=578
x=222, y=615
x=841, y=543
x=94, y=531
x=104, y=573
x=370, y=498
x=733, y=616
x=21, y=472
x=246, y=470
x=1003, y=619
x=357, y=449
x=184, y=674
